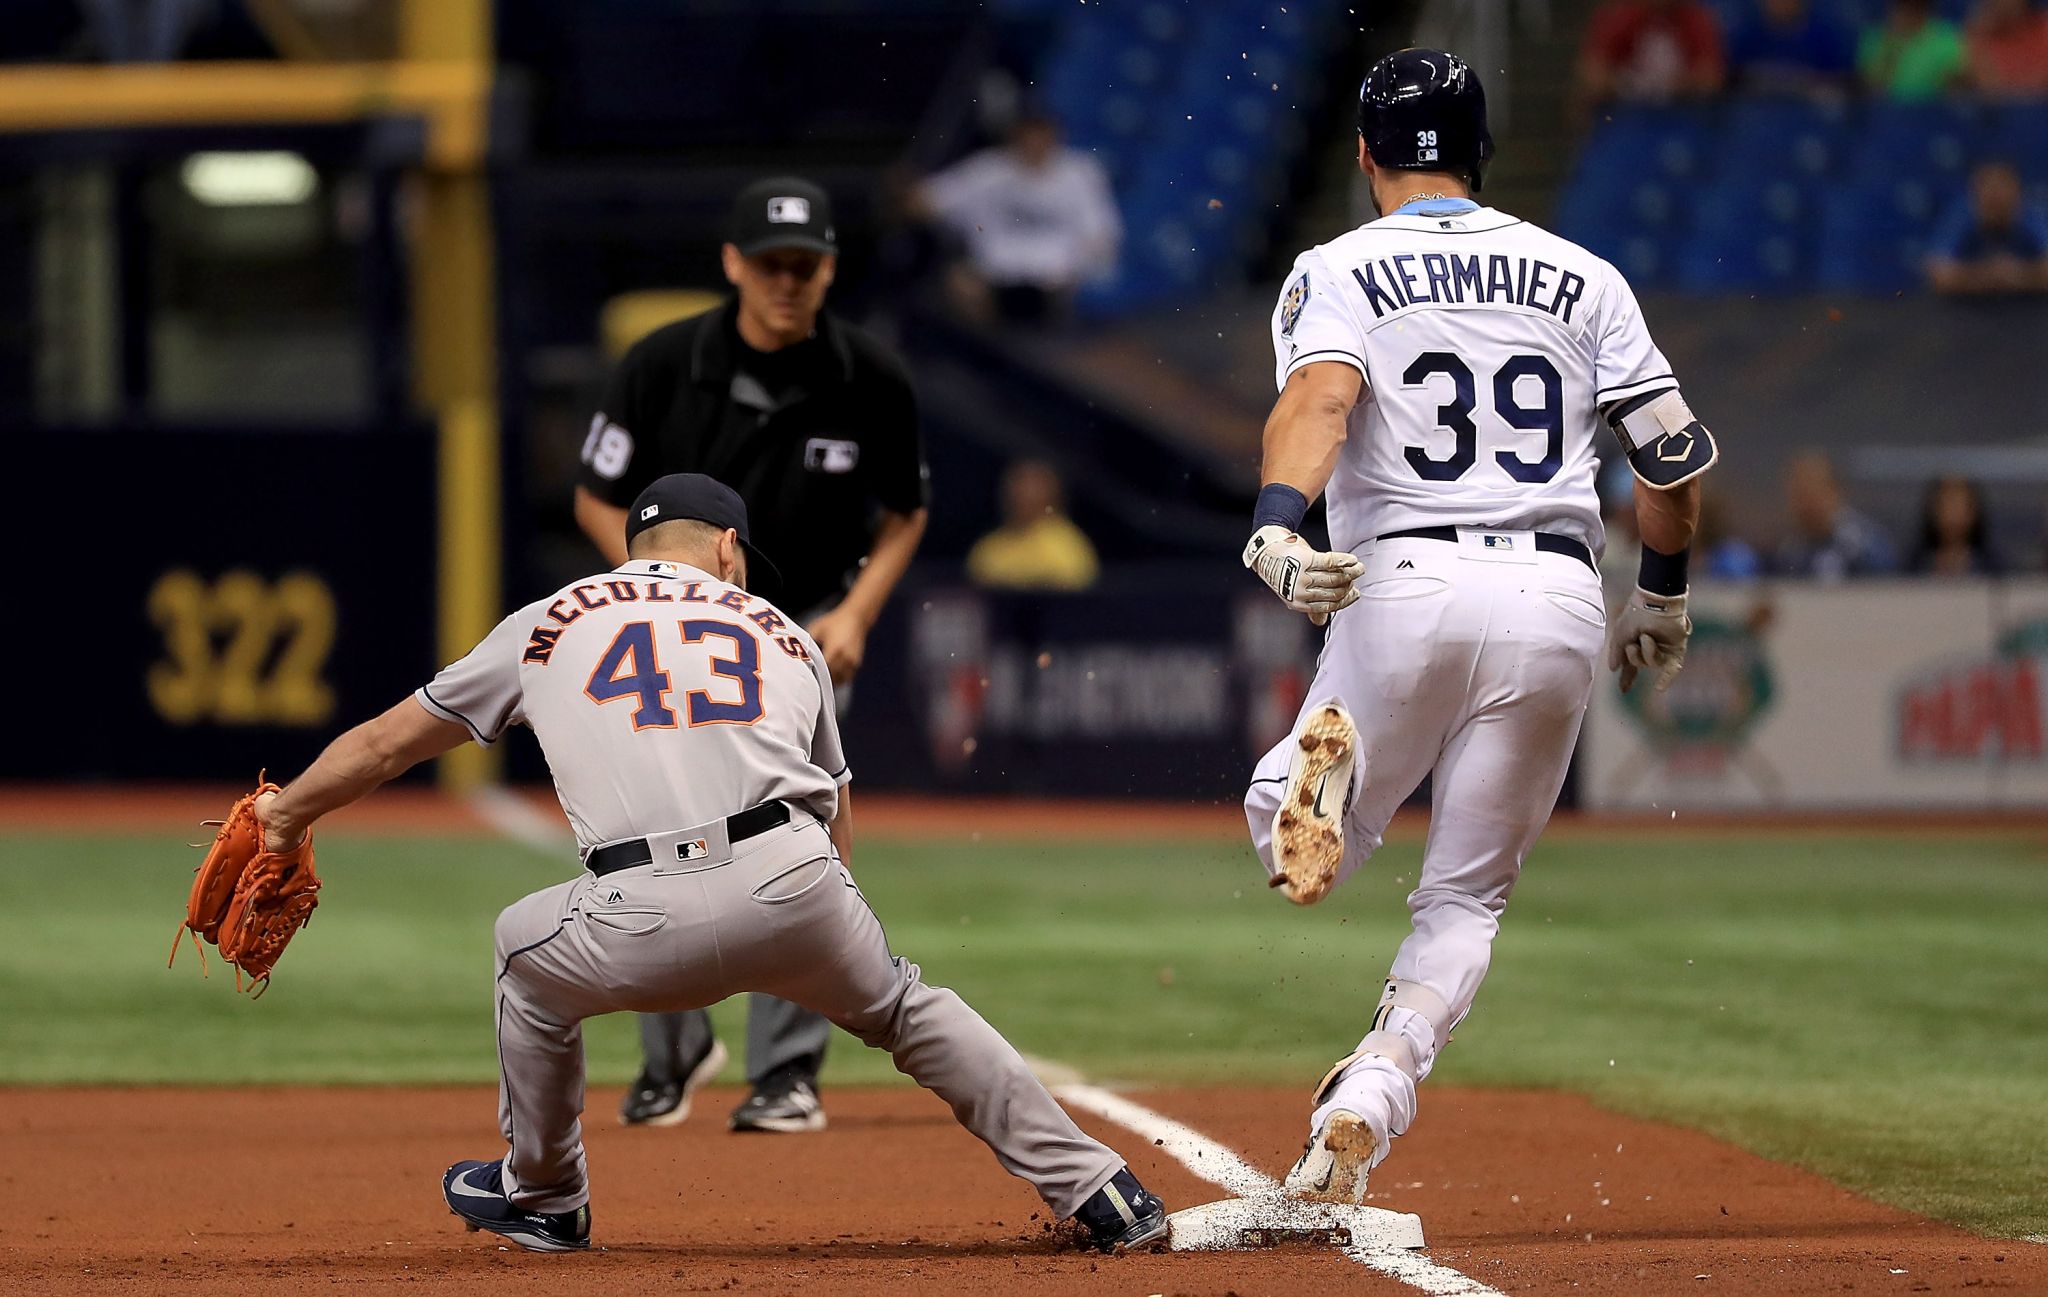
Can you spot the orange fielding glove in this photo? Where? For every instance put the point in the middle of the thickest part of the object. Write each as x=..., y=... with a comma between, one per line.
x=248, y=900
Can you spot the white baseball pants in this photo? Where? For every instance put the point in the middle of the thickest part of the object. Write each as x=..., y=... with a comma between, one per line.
x=1475, y=660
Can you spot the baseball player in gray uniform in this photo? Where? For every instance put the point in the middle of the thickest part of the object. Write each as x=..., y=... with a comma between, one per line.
x=695, y=750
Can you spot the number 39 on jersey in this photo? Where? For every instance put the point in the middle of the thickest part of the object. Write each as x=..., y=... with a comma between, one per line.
x=1493, y=355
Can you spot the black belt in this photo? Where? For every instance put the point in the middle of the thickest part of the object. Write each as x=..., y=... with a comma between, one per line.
x=613, y=857
x=1545, y=541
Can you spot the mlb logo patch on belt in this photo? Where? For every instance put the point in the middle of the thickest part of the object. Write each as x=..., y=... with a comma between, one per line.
x=1503, y=545
x=694, y=849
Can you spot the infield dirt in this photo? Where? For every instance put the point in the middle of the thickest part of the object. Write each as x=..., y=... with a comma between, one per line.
x=112, y=1191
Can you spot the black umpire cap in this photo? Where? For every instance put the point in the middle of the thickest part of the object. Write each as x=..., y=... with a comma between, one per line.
x=1424, y=110
x=695, y=496
x=782, y=212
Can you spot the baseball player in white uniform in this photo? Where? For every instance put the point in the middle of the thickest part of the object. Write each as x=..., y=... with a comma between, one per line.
x=1445, y=372
x=694, y=746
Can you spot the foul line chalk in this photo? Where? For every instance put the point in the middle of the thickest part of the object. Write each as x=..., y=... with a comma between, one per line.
x=514, y=818
x=510, y=816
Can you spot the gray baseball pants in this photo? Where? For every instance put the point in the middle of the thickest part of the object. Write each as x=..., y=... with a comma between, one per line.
x=778, y=1032
x=778, y=914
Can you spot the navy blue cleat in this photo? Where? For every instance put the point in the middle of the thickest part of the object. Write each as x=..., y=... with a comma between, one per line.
x=476, y=1192
x=1122, y=1216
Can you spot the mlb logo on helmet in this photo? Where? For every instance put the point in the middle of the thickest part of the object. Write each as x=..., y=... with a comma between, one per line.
x=789, y=211
x=649, y=512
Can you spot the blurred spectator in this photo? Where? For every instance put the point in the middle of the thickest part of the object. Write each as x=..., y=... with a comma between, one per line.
x=2008, y=49
x=1790, y=47
x=1830, y=540
x=1037, y=547
x=1036, y=218
x=1719, y=554
x=1650, y=51
x=1994, y=242
x=1953, y=539
x=1726, y=556
x=1913, y=54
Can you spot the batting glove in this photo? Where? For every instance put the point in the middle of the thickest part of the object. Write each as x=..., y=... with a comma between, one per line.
x=1649, y=635
x=1306, y=579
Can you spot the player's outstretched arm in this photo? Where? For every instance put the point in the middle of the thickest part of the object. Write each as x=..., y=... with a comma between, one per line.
x=353, y=766
x=1304, y=436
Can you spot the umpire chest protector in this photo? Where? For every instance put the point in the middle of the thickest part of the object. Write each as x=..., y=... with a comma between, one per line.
x=815, y=438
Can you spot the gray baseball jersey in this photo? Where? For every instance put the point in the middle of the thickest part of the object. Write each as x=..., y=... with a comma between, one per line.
x=662, y=696
x=666, y=701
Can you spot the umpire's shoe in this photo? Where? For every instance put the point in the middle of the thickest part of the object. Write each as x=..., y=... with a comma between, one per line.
x=785, y=1103
x=476, y=1192
x=667, y=1103
x=1122, y=1215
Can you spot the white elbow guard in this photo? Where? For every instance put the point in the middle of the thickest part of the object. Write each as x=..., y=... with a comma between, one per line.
x=1667, y=447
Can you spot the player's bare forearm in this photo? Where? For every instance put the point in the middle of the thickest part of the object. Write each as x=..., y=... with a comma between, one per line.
x=841, y=827
x=1306, y=431
x=895, y=544
x=604, y=523
x=354, y=765
x=1666, y=520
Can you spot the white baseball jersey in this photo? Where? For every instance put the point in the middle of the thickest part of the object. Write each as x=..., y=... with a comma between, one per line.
x=1489, y=347
x=663, y=697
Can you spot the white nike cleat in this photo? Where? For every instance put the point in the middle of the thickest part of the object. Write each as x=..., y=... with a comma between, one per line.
x=1308, y=829
x=1334, y=1166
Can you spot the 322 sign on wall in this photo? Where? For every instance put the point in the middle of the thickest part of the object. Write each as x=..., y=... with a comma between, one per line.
x=242, y=649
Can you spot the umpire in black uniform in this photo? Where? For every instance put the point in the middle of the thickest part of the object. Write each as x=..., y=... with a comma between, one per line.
x=814, y=423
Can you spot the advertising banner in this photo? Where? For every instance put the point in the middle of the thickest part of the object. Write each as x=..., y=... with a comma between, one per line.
x=1166, y=685
x=1892, y=694
x=214, y=601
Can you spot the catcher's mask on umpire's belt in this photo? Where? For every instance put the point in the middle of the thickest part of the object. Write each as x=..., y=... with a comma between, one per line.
x=1424, y=110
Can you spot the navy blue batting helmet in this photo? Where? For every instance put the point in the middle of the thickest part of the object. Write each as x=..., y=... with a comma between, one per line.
x=1424, y=110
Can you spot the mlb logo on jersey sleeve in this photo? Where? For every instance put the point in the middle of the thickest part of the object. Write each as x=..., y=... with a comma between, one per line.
x=1493, y=541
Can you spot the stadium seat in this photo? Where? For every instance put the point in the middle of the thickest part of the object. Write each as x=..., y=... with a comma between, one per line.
x=2020, y=135
x=1940, y=139
x=1873, y=236
x=1766, y=132
x=1749, y=231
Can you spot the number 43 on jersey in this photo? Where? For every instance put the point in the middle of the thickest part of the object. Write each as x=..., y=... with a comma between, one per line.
x=631, y=668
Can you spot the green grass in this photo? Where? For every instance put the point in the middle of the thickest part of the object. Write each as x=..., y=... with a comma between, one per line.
x=1874, y=1008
